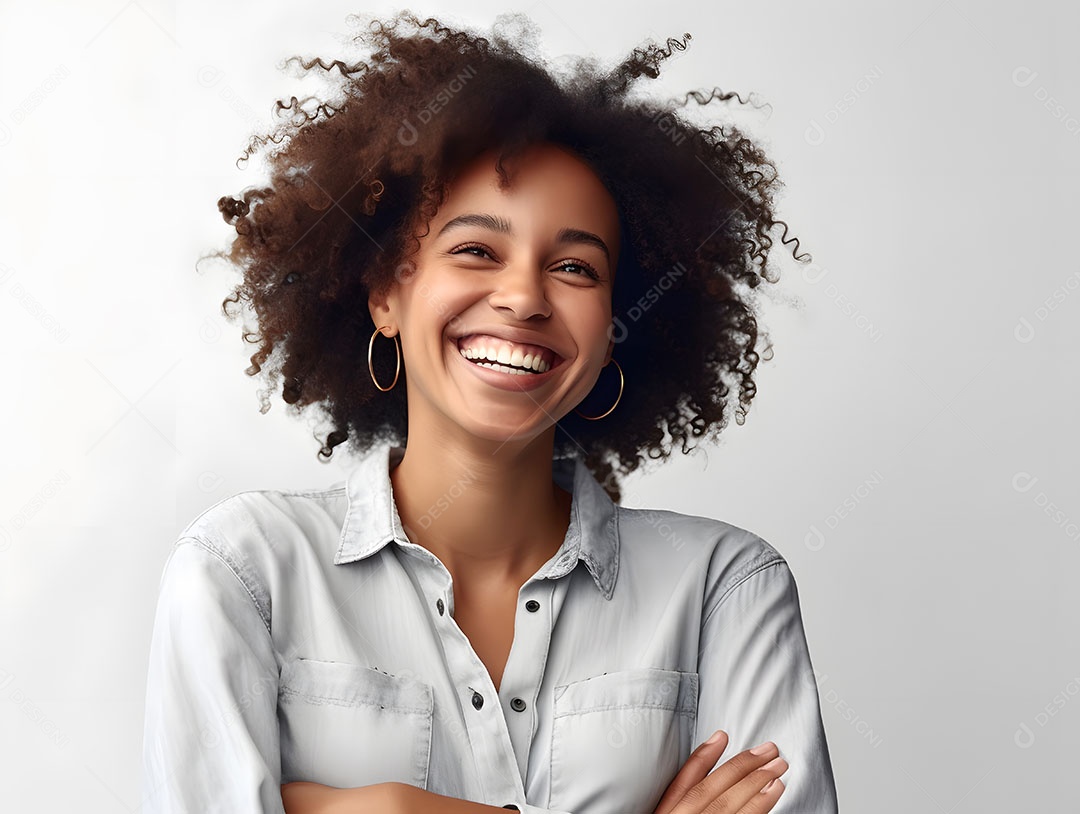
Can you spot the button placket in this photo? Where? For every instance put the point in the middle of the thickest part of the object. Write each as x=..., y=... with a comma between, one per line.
x=493, y=748
x=485, y=723
x=520, y=688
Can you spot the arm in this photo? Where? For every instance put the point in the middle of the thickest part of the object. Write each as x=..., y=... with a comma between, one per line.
x=211, y=739
x=383, y=798
x=757, y=684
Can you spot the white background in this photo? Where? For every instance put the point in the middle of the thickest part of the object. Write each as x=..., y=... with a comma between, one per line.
x=911, y=451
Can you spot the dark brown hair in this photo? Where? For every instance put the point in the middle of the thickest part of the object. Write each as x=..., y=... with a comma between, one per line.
x=352, y=180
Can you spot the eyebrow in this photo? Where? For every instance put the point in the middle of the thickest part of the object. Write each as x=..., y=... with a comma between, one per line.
x=499, y=224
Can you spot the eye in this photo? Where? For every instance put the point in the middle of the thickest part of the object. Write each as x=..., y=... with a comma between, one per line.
x=586, y=269
x=471, y=247
x=478, y=250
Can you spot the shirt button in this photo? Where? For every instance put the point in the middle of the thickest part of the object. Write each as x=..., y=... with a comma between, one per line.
x=532, y=606
x=517, y=705
x=477, y=700
x=440, y=606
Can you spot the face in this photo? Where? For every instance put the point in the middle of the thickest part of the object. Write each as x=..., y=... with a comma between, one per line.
x=523, y=275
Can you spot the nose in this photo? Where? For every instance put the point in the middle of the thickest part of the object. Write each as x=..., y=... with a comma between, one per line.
x=520, y=288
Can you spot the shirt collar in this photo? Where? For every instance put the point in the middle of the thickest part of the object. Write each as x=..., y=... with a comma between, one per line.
x=372, y=520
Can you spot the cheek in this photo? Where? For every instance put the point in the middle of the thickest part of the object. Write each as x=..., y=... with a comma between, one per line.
x=438, y=301
x=586, y=317
x=598, y=323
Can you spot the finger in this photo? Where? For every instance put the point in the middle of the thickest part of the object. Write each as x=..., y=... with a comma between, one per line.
x=746, y=791
x=697, y=766
x=764, y=800
x=719, y=784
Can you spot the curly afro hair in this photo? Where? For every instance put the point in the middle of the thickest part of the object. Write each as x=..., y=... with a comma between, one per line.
x=352, y=182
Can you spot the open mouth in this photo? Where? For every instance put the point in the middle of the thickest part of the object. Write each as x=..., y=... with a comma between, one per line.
x=519, y=360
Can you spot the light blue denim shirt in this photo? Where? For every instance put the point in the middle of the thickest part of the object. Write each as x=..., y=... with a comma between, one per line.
x=302, y=636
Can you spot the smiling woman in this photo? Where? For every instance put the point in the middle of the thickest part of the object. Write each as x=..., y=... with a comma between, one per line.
x=470, y=621
x=515, y=299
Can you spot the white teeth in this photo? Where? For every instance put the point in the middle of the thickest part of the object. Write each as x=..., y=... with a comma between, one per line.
x=504, y=356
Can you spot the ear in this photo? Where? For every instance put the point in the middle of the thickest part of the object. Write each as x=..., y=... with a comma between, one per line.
x=607, y=356
x=384, y=305
x=381, y=307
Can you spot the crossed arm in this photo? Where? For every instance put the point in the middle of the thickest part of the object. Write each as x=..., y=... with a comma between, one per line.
x=748, y=783
x=302, y=797
x=211, y=739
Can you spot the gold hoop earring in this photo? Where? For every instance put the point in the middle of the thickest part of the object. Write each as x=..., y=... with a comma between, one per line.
x=613, y=406
x=371, y=368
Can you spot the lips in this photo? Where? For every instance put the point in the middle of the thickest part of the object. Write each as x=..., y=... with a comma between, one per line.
x=501, y=379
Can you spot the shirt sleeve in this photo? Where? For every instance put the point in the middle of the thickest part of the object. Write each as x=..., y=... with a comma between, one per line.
x=756, y=682
x=210, y=741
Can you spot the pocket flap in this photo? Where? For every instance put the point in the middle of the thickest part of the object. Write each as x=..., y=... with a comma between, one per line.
x=641, y=688
x=348, y=684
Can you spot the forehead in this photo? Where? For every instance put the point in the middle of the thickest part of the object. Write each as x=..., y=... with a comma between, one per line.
x=544, y=180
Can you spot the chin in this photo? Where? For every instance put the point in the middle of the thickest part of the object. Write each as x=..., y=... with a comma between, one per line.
x=508, y=429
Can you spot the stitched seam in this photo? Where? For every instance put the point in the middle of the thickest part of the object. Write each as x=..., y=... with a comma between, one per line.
x=685, y=710
x=340, y=490
x=756, y=570
x=208, y=547
x=617, y=553
x=321, y=700
x=311, y=493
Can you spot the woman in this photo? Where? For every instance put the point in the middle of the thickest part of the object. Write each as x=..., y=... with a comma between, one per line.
x=470, y=622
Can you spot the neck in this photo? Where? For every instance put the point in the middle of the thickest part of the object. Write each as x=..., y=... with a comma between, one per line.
x=489, y=510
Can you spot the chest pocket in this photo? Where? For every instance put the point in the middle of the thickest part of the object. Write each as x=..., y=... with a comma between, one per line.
x=348, y=725
x=619, y=739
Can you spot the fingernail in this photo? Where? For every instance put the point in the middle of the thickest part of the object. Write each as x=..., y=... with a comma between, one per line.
x=715, y=736
x=774, y=763
x=769, y=785
x=761, y=750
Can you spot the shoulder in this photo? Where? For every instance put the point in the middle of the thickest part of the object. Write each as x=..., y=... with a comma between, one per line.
x=259, y=512
x=259, y=531
x=727, y=554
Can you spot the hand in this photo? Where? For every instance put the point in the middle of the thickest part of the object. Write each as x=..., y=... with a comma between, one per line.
x=735, y=787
